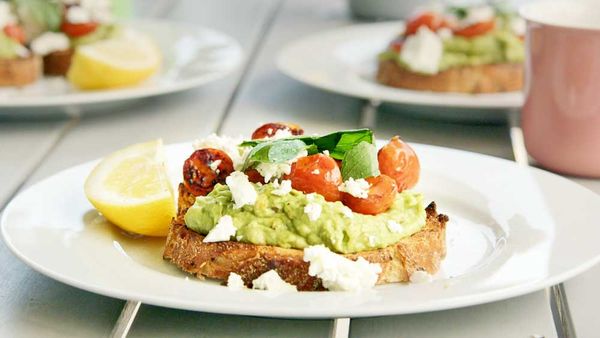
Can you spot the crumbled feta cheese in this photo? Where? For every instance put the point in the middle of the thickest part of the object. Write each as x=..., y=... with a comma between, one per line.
x=223, y=230
x=339, y=273
x=313, y=211
x=372, y=240
x=229, y=145
x=315, y=172
x=273, y=170
x=78, y=14
x=310, y=197
x=420, y=277
x=422, y=52
x=477, y=14
x=277, y=170
x=445, y=33
x=347, y=212
x=234, y=281
x=99, y=10
x=326, y=152
x=271, y=281
x=6, y=15
x=518, y=26
x=22, y=51
x=394, y=226
x=242, y=190
x=282, y=188
x=358, y=188
x=282, y=133
x=214, y=165
x=50, y=42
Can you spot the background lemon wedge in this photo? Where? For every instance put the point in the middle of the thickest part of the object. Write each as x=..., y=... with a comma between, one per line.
x=131, y=189
x=124, y=60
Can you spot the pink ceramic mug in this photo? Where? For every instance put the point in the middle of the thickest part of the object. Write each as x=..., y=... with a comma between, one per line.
x=561, y=115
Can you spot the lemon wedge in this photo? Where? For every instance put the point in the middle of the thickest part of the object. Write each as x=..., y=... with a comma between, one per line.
x=124, y=60
x=130, y=187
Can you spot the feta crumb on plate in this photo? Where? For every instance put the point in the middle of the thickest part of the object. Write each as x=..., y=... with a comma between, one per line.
x=271, y=281
x=234, y=281
x=313, y=211
x=358, y=188
x=339, y=273
x=242, y=190
x=420, y=277
x=223, y=231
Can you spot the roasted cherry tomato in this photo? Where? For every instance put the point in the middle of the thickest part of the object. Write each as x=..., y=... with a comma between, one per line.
x=380, y=198
x=476, y=29
x=432, y=20
x=15, y=32
x=254, y=176
x=399, y=161
x=78, y=29
x=269, y=130
x=317, y=173
x=201, y=171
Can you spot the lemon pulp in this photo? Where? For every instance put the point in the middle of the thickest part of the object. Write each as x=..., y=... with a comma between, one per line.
x=124, y=60
x=131, y=189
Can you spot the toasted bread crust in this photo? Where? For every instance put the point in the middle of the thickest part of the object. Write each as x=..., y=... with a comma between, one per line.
x=58, y=63
x=422, y=251
x=493, y=78
x=20, y=71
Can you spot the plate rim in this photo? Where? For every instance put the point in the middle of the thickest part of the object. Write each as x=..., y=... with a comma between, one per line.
x=290, y=71
x=135, y=92
x=447, y=304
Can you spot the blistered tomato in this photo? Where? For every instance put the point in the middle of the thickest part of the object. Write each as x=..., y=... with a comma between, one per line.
x=317, y=173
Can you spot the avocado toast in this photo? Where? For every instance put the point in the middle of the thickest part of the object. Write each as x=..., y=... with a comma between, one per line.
x=476, y=49
x=359, y=217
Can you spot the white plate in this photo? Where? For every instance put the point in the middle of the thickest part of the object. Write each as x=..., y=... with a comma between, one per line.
x=344, y=61
x=512, y=230
x=192, y=56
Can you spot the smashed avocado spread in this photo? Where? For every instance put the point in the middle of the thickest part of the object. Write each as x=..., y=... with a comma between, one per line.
x=8, y=47
x=499, y=46
x=282, y=221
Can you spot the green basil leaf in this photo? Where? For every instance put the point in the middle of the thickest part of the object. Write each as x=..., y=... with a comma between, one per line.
x=278, y=151
x=360, y=162
x=460, y=12
x=337, y=143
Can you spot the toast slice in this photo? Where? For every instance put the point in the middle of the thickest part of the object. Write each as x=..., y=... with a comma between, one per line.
x=423, y=251
x=493, y=78
x=20, y=71
x=58, y=63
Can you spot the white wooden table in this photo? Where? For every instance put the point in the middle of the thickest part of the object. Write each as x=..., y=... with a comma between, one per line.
x=32, y=305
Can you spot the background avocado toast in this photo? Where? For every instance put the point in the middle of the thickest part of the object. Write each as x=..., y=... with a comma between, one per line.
x=397, y=237
x=477, y=49
x=18, y=66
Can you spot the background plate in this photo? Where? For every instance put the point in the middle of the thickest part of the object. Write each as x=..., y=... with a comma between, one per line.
x=512, y=230
x=344, y=61
x=192, y=56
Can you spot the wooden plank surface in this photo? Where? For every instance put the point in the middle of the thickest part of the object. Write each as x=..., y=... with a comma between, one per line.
x=33, y=305
x=583, y=294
